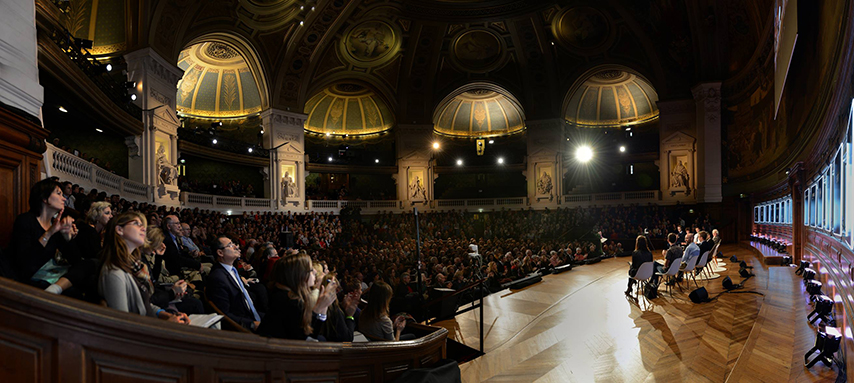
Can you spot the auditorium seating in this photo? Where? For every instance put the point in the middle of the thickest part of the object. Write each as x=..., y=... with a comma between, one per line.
x=47, y=337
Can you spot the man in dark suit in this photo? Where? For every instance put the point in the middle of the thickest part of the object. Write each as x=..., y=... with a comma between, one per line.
x=705, y=243
x=672, y=254
x=226, y=289
x=175, y=255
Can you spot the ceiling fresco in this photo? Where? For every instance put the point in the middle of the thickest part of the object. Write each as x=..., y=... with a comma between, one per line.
x=480, y=113
x=612, y=98
x=347, y=109
x=217, y=83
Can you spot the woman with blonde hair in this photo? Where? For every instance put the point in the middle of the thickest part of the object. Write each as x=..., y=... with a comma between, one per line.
x=124, y=281
x=293, y=312
x=152, y=253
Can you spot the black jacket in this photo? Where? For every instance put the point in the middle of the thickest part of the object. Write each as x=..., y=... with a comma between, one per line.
x=175, y=258
x=223, y=291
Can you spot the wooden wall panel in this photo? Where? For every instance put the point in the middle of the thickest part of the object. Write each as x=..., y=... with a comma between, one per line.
x=21, y=148
x=26, y=357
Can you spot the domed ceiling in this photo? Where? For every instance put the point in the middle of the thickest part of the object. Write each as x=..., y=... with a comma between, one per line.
x=343, y=109
x=103, y=22
x=217, y=83
x=480, y=113
x=612, y=98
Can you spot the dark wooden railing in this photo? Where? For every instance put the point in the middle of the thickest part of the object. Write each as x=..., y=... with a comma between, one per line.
x=48, y=338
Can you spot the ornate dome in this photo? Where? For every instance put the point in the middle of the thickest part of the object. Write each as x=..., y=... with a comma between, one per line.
x=102, y=22
x=217, y=83
x=480, y=113
x=347, y=109
x=612, y=98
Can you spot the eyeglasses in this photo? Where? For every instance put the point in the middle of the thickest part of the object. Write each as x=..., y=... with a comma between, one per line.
x=230, y=244
x=135, y=223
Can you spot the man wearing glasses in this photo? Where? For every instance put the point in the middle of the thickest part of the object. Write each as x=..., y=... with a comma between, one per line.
x=176, y=256
x=226, y=289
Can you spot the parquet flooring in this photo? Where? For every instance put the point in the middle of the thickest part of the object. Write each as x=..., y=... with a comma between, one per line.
x=579, y=327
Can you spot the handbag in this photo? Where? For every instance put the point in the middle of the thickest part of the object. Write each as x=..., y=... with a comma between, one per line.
x=50, y=272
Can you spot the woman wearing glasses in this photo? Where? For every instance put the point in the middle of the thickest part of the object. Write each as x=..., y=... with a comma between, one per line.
x=125, y=282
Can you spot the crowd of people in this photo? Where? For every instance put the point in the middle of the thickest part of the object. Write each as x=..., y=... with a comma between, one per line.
x=260, y=268
x=225, y=188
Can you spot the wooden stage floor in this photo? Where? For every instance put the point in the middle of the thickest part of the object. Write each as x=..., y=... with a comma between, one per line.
x=579, y=327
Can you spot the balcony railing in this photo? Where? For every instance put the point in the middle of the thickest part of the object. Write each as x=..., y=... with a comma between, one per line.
x=601, y=199
x=69, y=167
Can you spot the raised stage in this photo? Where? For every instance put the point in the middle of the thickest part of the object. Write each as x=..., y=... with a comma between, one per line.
x=578, y=326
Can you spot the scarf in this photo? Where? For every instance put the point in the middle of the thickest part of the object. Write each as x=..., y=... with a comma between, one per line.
x=143, y=279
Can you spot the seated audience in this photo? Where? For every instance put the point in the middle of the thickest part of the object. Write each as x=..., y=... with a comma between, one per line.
x=36, y=237
x=227, y=290
x=125, y=282
x=294, y=314
x=175, y=294
x=374, y=321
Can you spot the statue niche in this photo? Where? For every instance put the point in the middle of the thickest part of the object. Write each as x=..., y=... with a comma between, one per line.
x=167, y=173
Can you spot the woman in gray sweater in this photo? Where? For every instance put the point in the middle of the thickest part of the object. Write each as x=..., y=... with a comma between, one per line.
x=124, y=281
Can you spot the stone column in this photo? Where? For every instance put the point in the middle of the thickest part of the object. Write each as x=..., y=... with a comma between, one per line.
x=544, y=171
x=678, y=152
x=153, y=156
x=415, y=165
x=284, y=136
x=708, y=105
x=19, y=69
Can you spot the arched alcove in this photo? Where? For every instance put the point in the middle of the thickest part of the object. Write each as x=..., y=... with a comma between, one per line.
x=479, y=110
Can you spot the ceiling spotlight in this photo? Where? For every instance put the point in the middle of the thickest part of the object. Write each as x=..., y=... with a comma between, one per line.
x=250, y=150
x=500, y=160
x=312, y=8
x=133, y=97
x=622, y=148
x=214, y=141
x=584, y=153
x=491, y=142
x=262, y=131
x=216, y=124
x=99, y=130
x=376, y=161
x=459, y=162
x=436, y=145
x=629, y=129
x=63, y=110
x=301, y=23
x=330, y=159
x=328, y=134
x=182, y=161
x=109, y=67
x=130, y=84
x=301, y=7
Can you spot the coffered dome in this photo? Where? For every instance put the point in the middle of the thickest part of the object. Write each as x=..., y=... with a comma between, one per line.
x=480, y=113
x=343, y=109
x=217, y=83
x=612, y=98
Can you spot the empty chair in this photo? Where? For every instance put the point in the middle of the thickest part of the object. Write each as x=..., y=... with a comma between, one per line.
x=701, y=264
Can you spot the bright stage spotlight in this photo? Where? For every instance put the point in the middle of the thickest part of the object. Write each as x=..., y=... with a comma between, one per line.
x=584, y=153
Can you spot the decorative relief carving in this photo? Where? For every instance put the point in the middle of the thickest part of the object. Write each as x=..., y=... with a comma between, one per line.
x=169, y=75
x=159, y=97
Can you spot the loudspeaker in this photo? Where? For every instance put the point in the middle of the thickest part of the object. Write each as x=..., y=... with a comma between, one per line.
x=699, y=295
x=286, y=239
x=744, y=273
x=727, y=284
x=733, y=259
